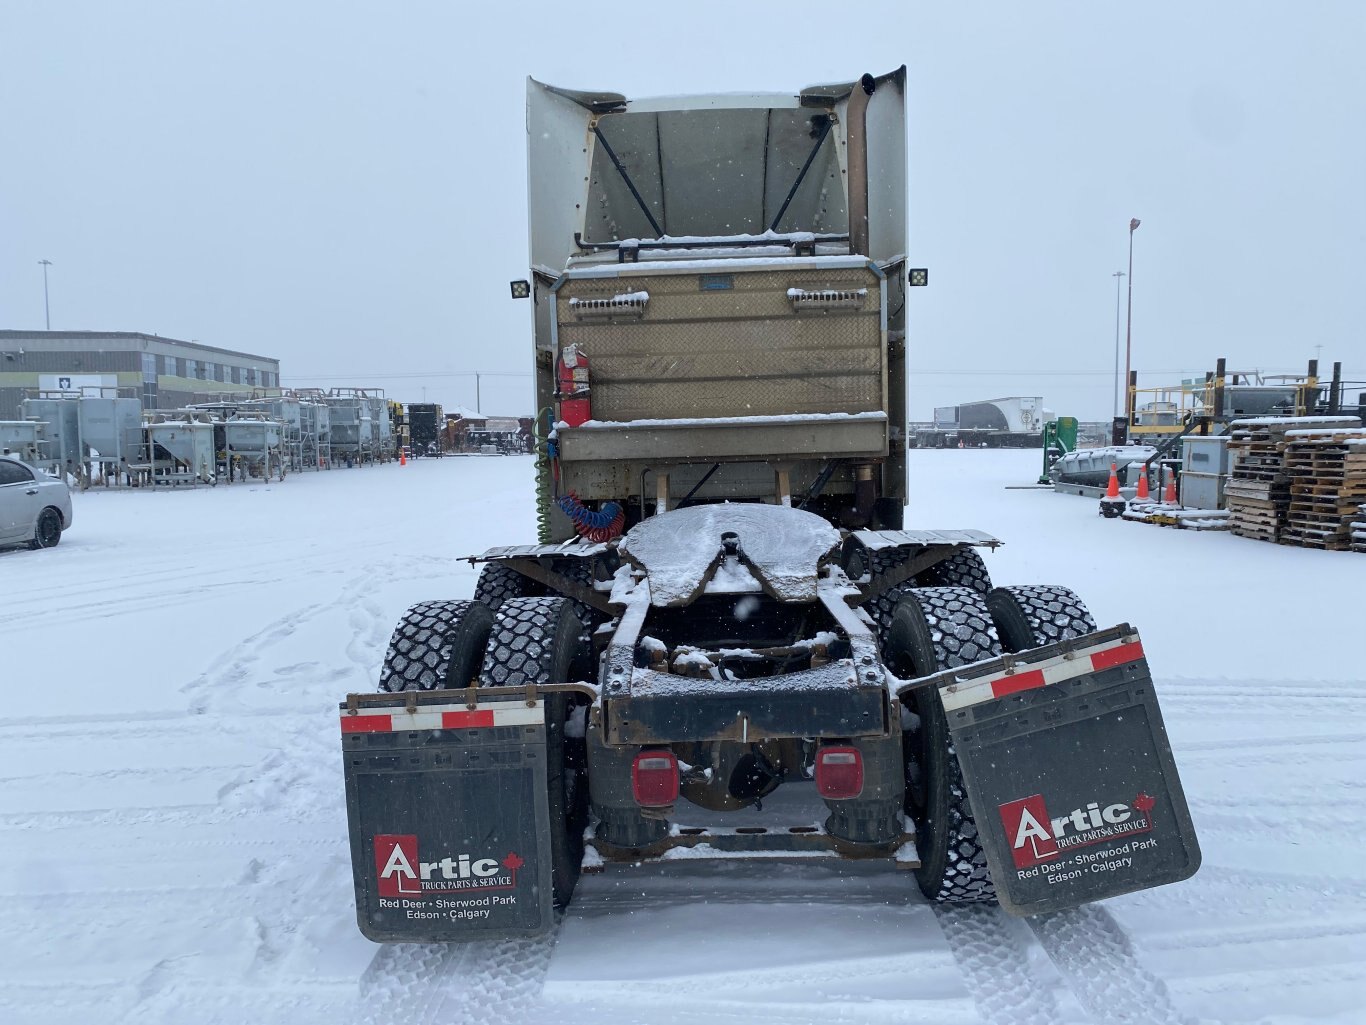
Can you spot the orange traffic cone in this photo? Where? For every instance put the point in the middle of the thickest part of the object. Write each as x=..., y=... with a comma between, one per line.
x=1112, y=505
x=402, y=457
x=1170, y=497
x=1142, y=495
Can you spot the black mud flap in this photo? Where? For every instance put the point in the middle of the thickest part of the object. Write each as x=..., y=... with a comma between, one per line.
x=448, y=815
x=1069, y=772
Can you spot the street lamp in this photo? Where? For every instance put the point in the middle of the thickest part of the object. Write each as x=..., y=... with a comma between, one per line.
x=1129, y=328
x=47, y=313
x=1117, y=275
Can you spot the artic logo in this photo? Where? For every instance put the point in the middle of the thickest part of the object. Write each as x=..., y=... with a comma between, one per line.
x=397, y=866
x=401, y=872
x=1036, y=837
x=1029, y=829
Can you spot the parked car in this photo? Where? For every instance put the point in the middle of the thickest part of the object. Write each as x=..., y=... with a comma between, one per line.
x=34, y=507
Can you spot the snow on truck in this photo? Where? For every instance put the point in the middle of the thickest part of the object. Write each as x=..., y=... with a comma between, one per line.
x=725, y=643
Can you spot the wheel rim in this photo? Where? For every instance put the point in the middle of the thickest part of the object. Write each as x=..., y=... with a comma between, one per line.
x=47, y=529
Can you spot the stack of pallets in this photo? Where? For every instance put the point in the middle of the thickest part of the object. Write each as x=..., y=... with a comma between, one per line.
x=1356, y=465
x=1327, y=487
x=1258, y=488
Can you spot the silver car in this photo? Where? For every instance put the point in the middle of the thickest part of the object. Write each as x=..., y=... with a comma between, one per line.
x=34, y=508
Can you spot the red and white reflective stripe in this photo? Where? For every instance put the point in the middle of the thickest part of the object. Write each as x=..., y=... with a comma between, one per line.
x=1041, y=674
x=443, y=717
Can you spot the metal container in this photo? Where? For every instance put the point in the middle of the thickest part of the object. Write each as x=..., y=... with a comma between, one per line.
x=112, y=428
x=62, y=430
x=1091, y=466
x=1204, y=471
x=181, y=450
x=21, y=438
x=252, y=437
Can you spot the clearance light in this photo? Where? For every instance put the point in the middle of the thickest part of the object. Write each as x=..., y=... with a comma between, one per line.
x=654, y=779
x=839, y=773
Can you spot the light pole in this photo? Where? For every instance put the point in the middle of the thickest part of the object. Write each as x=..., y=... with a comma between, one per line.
x=1129, y=327
x=1118, y=283
x=47, y=313
x=478, y=407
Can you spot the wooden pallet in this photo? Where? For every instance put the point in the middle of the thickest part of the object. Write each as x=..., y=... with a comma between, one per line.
x=1256, y=534
x=1324, y=492
x=1327, y=544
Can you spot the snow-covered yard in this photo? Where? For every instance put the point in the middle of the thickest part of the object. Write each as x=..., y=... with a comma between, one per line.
x=174, y=841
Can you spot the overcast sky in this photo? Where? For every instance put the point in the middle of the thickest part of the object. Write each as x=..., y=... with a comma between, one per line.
x=343, y=185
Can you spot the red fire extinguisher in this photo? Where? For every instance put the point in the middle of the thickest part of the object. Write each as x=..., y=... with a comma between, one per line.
x=571, y=370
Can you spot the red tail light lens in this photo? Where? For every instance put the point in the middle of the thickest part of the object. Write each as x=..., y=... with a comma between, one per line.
x=839, y=772
x=654, y=779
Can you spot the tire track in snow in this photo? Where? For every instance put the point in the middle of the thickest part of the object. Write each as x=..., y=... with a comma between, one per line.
x=1097, y=961
x=993, y=956
x=1255, y=747
x=493, y=983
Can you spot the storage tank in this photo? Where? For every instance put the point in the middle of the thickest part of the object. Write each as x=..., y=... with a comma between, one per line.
x=1090, y=467
x=112, y=428
x=21, y=438
x=181, y=450
x=63, y=431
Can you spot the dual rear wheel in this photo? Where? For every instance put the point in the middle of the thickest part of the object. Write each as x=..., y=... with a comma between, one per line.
x=452, y=644
x=539, y=640
x=931, y=629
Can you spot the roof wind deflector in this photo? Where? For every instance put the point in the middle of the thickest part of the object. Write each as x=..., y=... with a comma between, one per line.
x=597, y=102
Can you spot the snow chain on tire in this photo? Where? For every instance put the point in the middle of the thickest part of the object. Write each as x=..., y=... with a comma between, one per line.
x=436, y=644
x=1032, y=615
x=932, y=629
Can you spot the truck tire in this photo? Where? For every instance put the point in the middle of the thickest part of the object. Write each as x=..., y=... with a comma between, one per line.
x=932, y=629
x=881, y=607
x=497, y=583
x=436, y=644
x=538, y=641
x=1031, y=615
x=580, y=571
x=964, y=568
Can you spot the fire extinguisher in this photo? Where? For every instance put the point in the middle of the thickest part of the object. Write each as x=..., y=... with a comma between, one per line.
x=571, y=371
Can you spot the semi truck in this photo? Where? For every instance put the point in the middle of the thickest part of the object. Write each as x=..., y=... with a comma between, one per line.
x=725, y=643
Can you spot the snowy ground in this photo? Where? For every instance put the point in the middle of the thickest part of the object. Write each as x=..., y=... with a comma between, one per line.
x=174, y=843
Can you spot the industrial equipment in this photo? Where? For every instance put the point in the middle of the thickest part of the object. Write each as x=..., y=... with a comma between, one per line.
x=1059, y=438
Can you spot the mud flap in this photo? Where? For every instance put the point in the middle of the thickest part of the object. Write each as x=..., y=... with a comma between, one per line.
x=448, y=816
x=1071, y=778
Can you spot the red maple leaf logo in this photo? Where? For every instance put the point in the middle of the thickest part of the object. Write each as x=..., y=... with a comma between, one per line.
x=512, y=862
x=1144, y=803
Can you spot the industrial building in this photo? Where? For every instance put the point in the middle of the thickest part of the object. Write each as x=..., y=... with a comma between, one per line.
x=163, y=373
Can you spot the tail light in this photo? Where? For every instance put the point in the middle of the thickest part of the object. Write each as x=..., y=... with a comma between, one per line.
x=839, y=772
x=654, y=779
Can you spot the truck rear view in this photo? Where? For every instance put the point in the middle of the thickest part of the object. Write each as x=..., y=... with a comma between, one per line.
x=724, y=610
